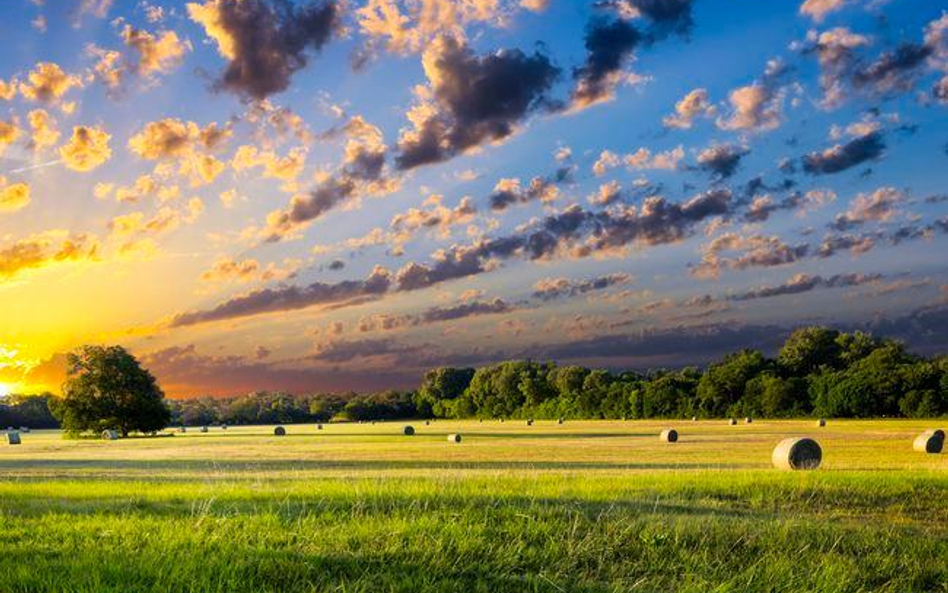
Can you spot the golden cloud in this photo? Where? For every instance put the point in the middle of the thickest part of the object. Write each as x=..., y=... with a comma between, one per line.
x=13, y=196
x=87, y=149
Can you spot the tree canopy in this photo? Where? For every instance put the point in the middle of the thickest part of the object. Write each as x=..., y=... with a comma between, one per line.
x=107, y=389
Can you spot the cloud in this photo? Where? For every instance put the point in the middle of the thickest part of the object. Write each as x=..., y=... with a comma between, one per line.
x=880, y=205
x=641, y=159
x=154, y=54
x=265, y=41
x=46, y=249
x=43, y=129
x=721, y=160
x=47, y=83
x=9, y=133
x=575, y=230
x=692, y=106
x=285, y=168
x=13, y=196
x=289, y=298
x=835, y=50
x=184, y=143
x=840, y=157
x=754, y=107
x=433, y=215
x=87, y=149
x=609, y=44
x=800, y=283
x=361, y=173
x=227, y=269
x=555, y=288
x=818, y=9
x=751, y=252
x=384, y=22
x=508, y=192
x=471, y=100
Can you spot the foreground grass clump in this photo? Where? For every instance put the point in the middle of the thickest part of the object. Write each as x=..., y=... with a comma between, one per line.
x=486, y=515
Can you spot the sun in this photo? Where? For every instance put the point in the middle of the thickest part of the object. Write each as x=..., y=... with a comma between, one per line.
x=5, y=389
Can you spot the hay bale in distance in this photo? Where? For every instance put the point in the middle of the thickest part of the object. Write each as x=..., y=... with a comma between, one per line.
x=279, y=431
x=319, y=427
x=110, y=435
x=13, y=437
x=183, y=429
x=427, y=422
x=669, y=435
x=748, y=420
x=223, y=426
x=733, y=421
x=530, y=422
x=454, y=438
x=560, y=421
x=797, y=453
x=408, y=431
x=821, y=422
x=930, y=441
x=694, y=418
x=203, y=429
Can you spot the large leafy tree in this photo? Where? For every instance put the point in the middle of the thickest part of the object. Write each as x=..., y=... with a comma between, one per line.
x=106, y=388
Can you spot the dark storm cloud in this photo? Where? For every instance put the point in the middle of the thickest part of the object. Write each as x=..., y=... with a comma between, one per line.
x=844, y=156
x=479, y=98
x=666, y=15
x=288, y=298
x=270, y=40
x=805, y=283
x=336, y=264
x=609, y=44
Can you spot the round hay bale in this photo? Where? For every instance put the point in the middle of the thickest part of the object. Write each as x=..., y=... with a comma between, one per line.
x=560, y=421
x=694, y=418
x=427, y=423
x=930, y=441
x=454, y=438
x=669, y=435
x=13, y=437
x=732, y=422
x=183, y=429
x=797, y=453
x=319, y=427
x=109, y=435
x=408, y=431
x=748, y=420
x=821, y=422
x=530, y=422
x=279, y=431
x=203, y=429
x=501, y=420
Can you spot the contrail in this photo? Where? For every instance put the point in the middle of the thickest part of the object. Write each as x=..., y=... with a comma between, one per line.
x=39, y=166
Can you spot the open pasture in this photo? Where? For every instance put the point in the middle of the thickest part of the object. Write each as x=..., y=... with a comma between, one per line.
x=582, y=506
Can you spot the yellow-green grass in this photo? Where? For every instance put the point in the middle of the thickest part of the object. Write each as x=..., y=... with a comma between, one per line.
x=583, y=506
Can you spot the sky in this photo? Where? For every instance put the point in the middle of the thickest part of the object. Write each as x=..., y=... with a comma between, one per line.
x=338, y=195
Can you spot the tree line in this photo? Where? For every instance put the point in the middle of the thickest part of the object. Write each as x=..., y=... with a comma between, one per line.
x=818, y=371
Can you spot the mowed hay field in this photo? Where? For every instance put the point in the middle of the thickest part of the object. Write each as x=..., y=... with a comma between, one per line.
x=584, y=506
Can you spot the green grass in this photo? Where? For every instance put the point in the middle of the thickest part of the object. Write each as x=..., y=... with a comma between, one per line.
x=587, y=506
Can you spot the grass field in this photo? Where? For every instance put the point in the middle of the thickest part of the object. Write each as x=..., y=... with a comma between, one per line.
x=586, y=506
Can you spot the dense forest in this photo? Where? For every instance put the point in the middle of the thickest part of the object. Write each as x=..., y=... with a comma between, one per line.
x=818, y=371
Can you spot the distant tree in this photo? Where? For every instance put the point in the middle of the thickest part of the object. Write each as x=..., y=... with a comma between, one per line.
x=771, y=396
x=809, y=349
x=106, y=388
x=440, y=385
x=873, y=386
x=722, y=384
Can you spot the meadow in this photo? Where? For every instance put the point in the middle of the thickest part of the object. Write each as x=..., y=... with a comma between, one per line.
x=590, y=506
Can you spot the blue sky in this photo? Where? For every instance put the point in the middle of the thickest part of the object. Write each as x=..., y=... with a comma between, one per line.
x=326, y=200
